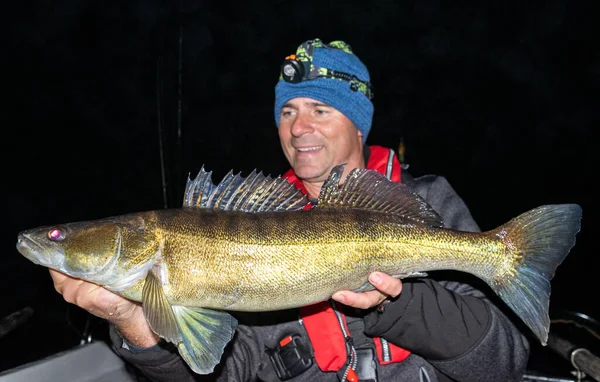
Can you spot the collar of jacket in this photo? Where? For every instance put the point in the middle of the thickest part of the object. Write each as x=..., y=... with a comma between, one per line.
x=376, y=157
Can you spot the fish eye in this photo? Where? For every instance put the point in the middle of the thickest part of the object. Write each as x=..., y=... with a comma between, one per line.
x=56, y=234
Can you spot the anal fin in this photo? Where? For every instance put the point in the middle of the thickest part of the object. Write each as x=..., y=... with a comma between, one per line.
x=365, y=288
x=368, y=286
x=410, y=274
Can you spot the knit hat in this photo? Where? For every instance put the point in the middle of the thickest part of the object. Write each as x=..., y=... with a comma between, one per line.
x=342, y=81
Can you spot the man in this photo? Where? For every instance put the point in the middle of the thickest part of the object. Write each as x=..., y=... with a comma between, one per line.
x=416, y=330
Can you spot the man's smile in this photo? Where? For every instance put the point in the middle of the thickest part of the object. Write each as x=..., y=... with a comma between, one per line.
x=308, y=148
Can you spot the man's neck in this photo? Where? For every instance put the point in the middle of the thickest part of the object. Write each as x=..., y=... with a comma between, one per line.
x=313, y=189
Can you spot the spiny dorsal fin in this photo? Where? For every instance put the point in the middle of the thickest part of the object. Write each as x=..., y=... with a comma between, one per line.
x=368, y=189
x=197, y=190
x=255, y=193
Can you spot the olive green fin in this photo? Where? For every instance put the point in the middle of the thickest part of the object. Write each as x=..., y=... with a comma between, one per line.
x=255, y=193
x=371, y=190
x=158, y=311
x=200, y=334
x=368, y=286
x=204, y=335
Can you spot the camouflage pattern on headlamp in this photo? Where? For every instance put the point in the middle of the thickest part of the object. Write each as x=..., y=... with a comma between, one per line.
x=299, y=67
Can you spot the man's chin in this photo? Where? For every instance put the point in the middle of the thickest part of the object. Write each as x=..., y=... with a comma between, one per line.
x=311, y=173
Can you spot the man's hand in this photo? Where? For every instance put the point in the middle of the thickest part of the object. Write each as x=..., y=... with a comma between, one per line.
x=127, y=316
x=387, y=286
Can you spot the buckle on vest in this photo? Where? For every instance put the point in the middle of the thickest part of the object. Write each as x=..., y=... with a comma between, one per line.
x=365, y=369
x=366, y=366
x=291, y=357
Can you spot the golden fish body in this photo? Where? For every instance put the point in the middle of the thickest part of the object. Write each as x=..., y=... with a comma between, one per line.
x=278, y=260
x=248, y=244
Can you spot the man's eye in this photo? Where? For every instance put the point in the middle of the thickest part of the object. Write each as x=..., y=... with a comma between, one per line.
x=321, y=112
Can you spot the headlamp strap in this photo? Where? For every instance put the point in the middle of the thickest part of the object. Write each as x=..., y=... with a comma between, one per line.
x=299, y=67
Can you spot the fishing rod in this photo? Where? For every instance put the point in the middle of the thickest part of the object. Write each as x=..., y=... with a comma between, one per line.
x=586, y=363
x=86, y=334
x=14, y=320
x=161, y=150
x=170, y=165
x=179, y=138
x=580, y=358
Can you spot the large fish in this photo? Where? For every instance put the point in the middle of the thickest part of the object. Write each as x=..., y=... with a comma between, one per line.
x=248, y=244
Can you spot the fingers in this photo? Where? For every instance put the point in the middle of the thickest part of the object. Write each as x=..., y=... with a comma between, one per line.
x=386, y=285
x=74, y=291
x=363, y=300
x=59, y=280
x=126, y=315
x=65, y=284
x=91, y=297
x=78, y=292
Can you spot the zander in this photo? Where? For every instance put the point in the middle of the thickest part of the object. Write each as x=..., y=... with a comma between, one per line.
x=250, y=244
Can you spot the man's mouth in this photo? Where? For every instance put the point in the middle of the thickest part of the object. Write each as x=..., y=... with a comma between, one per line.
x=308, y=149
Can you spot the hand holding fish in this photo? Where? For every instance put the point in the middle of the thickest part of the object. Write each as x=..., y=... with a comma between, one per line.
x=386, y=286
x=126, y=315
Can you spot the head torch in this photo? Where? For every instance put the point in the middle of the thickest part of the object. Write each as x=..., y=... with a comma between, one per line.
x=299, y=67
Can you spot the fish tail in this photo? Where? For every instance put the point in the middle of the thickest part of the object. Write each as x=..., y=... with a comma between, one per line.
x=538, y=241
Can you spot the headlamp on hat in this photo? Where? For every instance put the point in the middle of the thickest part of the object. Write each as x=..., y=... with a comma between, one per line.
x=299, y=67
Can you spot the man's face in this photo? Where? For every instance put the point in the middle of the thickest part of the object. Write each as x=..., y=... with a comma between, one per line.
x=315, y=138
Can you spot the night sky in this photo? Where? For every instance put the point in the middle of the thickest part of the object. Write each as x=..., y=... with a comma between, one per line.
x=108, y=106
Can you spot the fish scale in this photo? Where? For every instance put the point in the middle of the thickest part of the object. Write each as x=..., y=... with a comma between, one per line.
x=257, y=259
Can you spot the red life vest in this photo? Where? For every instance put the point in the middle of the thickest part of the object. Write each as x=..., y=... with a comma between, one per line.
x=320, y=320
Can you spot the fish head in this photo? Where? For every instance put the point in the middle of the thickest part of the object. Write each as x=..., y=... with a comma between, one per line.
x=90, y=250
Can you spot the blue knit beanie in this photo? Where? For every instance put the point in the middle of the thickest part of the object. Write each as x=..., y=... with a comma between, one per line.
x=355, y=105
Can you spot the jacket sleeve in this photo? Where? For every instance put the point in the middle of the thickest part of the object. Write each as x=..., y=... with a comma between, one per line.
x=162, y=362
x=452, y=324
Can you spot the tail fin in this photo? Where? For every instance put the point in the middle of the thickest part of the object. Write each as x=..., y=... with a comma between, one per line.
x=541, y=239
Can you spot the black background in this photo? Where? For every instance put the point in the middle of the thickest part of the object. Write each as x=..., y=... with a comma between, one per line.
x=499, y=97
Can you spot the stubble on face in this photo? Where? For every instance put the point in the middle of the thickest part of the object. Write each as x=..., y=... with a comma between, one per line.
x=315, y=138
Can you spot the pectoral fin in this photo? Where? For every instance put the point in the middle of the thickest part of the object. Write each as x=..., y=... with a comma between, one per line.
x=204, y=334
x=158, y=311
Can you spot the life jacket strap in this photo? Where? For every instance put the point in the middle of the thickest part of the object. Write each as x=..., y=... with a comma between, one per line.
x=326, y=335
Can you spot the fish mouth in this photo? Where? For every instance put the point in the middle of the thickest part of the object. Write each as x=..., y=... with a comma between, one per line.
x=36, y=252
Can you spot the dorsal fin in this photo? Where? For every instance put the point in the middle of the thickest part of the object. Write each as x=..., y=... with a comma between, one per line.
x=255, y=193
x=368, y=189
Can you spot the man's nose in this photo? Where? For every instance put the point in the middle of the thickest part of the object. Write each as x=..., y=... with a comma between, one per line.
x=302, y=125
